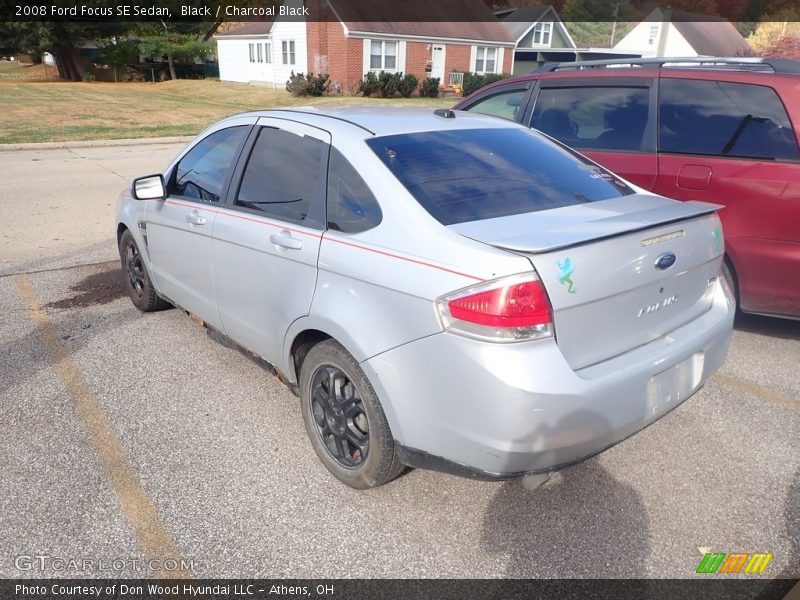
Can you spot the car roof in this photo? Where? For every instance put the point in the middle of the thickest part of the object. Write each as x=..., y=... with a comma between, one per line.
x=384, y=120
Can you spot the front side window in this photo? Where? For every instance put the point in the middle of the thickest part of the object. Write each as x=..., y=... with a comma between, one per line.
x=285, y=178
x=201, y=173
x=718, y=118
x=505, y=104
x=475, y=174
x=605, y=118
x=267, y=53
x=383, y=56
x=485, y=59
x=541, y=34
x=260, y=53
x=351, y=205
x=287, y=51
x=252, y=53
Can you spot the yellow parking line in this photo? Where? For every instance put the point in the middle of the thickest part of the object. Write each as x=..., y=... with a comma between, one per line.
x=758, y=391
x=154, y=540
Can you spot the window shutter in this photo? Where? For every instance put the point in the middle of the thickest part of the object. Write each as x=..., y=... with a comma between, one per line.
x=365, y=60
x=473, y=54
x=401, y=57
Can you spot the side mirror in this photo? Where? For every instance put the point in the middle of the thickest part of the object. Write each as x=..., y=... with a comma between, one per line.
x=150, y=187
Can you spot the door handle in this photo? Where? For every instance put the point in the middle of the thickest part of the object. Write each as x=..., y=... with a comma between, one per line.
x=285, y=240
x=195, y=218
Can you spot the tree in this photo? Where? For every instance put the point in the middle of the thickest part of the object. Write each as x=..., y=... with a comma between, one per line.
x=774, y=28
x=594, y=11
x=176, y=40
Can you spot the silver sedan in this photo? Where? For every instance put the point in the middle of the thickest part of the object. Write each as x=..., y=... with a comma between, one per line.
x=442, y=290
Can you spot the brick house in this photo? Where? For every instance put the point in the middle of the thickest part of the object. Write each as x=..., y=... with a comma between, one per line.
x=348, y=38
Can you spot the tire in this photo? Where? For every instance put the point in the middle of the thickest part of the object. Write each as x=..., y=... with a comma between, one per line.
x=137, y=279
x=347, y=428
x=730, y=278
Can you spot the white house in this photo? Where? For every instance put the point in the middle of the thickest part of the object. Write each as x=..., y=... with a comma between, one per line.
x=667, y=32
x=264, y=52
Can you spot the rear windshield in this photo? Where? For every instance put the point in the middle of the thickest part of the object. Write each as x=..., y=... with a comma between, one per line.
x=475, y=174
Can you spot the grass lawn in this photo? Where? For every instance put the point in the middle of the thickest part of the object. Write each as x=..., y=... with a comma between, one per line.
x=13, y=70
x=59, y=111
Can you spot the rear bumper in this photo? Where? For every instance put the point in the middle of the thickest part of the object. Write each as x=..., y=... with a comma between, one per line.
x=506, y=410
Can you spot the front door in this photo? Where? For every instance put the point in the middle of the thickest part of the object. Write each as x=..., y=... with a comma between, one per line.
x=266, y=241
x=437, y=62
x=178, y=229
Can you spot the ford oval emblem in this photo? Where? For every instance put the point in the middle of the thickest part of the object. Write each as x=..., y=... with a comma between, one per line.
x=665, y=261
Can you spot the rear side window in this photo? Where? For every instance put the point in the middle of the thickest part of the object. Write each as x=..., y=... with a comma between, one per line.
x=201, y=173
x=475, y=174
x=505, y=104
x=607, y=118
x=724, y=119
x=285, y=178
x=351, y=205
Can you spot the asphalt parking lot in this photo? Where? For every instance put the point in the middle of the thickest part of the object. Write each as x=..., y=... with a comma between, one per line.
x=130, y=437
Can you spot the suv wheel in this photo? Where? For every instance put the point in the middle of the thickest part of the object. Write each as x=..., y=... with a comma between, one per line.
x=730, y=279
x=344, y=419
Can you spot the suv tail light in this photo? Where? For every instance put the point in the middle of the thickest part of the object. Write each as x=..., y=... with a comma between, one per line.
x=509, y=309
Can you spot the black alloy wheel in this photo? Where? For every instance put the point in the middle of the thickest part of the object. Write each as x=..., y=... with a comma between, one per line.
x=339, y=414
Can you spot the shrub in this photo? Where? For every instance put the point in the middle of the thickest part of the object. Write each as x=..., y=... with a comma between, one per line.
x=429, y=87
x=407, y=85
x=307, y=85
x=389, y=83
x=475, y=81
x=369, y=85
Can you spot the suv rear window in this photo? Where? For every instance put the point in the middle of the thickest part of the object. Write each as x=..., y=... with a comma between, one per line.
x=724, y=119
x=475, y=174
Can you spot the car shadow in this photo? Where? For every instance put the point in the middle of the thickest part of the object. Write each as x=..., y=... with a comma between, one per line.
x=581, y=523
x=788, y=329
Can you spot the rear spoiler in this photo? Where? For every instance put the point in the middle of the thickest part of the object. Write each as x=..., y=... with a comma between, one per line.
x=560, y=228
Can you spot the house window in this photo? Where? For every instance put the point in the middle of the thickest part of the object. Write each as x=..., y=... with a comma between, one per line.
x=260, y=53
x=287, y=50
x=252, y=53
x=653, y=36
x=485, y=60
x=267, y=53
x=541, y=34
x=383, y=56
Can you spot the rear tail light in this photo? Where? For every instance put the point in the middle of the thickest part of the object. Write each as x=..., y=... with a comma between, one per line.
x=509, y=309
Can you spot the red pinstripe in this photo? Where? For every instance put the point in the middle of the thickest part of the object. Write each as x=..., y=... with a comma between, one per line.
x=263, y=221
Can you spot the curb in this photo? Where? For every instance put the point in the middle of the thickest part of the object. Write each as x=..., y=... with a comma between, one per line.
x=94, y=143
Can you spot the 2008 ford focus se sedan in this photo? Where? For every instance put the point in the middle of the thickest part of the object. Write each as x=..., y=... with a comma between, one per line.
x=443, y=290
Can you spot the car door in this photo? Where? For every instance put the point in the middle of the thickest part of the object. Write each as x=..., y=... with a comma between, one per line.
x=609, y=119
x=266, y=241
x=178, y=228
x=733, y=144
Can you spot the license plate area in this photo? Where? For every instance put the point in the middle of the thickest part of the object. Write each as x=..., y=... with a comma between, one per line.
x=670, y=387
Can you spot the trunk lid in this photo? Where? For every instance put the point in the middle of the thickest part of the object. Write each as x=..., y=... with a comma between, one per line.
x=620, y=272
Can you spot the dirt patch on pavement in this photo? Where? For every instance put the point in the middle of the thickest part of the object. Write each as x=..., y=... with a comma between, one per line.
x=98, y=288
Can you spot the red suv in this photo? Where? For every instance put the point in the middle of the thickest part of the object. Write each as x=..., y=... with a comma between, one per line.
x=721, y=130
